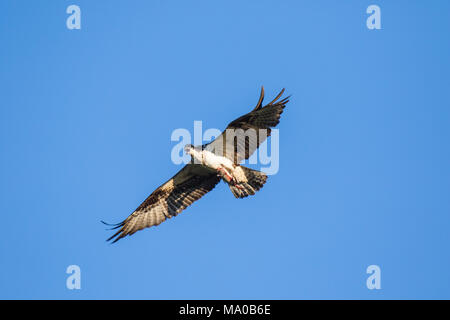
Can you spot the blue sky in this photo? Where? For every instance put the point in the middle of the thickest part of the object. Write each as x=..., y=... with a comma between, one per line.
x=86, y=117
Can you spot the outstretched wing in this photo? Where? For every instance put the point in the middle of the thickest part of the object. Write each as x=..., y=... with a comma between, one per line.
x=245, y=134
x=187, y=186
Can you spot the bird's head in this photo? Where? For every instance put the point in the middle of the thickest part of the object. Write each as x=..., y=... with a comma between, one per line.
x=189, y=149
x=194, y=151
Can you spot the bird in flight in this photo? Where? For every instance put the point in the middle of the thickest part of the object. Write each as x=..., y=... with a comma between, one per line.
x=210, y=163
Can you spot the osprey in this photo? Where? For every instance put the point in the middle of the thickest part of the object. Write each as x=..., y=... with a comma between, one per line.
x=210, y=163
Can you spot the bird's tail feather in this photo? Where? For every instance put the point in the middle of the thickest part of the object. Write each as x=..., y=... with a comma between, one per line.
x=255, y=181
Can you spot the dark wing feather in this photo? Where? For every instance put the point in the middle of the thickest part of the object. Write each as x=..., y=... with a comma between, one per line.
x=237, y=142
x=187, y=186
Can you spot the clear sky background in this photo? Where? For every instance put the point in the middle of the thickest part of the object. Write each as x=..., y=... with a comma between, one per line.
x=86, y=117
